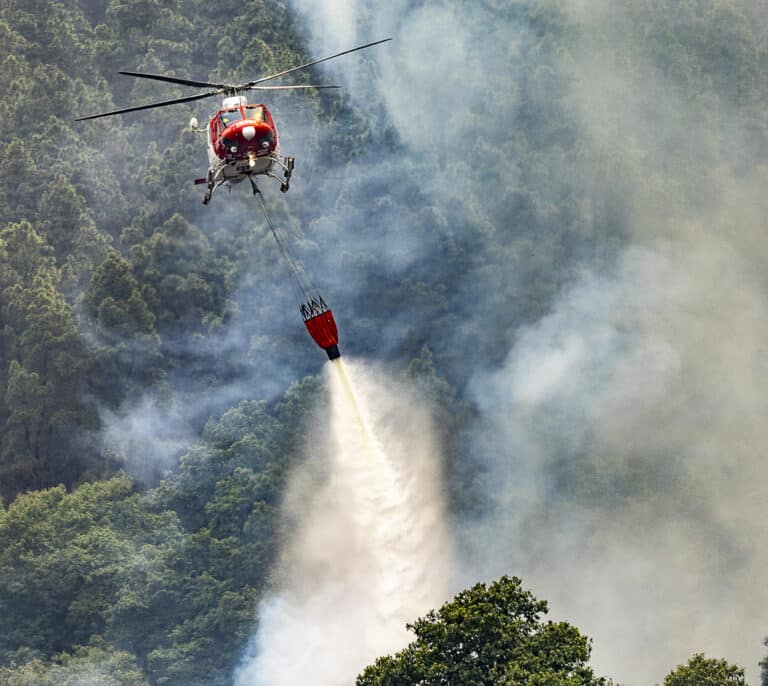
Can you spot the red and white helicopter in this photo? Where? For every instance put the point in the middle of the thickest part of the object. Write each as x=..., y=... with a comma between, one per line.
x=242, y=137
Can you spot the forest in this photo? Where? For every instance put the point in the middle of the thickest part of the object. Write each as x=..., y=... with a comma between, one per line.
x=156, y=384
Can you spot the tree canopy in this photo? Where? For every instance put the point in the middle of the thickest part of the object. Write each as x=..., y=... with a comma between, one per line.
x=439, y=243
x=489, y=634
x=702, y=671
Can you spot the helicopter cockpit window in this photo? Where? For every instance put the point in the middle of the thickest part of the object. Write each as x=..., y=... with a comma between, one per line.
x=255, y=112
x=227, y=118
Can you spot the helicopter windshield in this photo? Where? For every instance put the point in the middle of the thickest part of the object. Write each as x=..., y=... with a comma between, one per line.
x=255, y=112
x=230, y=117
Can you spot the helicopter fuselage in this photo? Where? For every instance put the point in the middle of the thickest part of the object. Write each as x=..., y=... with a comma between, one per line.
x=242, y=140
x=242, y=143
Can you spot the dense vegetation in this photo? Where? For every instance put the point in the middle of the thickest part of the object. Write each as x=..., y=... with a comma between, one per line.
x=109, y=290
x=701, y=671
x=171, y=577
x=494, y=635
x=118, y=292
x=489, y=635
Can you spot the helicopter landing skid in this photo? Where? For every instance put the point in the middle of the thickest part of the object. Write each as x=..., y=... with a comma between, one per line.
x=287, y=164
x=214, y=180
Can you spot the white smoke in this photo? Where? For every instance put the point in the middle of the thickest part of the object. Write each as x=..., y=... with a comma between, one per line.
x=627, y=440
x=625, y=431
x=366, y=548
x=622, y=438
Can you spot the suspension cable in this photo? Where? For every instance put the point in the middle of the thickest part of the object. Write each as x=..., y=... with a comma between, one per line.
x=304, y=287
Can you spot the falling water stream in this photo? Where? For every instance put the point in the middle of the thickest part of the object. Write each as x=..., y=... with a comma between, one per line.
x=367, y=547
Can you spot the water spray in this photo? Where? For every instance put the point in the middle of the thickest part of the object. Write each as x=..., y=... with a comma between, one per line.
x=368, y=549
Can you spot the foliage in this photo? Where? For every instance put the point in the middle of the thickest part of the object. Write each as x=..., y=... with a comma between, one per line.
x=702, y=671
x=86, y=665
x=170, y=577
x=115, y=286
x=104, y=280
x=101, y=277
x=84, y=561
x=43, y=408
x=488, y=635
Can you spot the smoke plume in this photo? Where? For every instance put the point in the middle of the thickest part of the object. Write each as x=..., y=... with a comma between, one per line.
x=626, y=427
x=620, y=435
x=366, y=548
x=573, y=217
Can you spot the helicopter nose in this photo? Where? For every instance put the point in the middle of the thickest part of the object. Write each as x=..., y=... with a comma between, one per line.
x=249, y=132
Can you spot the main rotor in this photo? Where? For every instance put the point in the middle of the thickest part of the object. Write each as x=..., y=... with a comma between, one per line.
x=225, y=89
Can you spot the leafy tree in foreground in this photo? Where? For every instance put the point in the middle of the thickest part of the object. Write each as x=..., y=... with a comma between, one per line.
x=488, y=635
x=702, y=671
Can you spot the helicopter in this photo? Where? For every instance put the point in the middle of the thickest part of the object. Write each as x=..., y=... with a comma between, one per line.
x=242, y=139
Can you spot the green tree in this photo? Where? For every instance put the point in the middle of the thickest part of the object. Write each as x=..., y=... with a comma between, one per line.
x=45, y=417
x=184, y=282
x=702, y=671
x=68, y=227
x=26, y=251
x=21, y=179
x=488, y=635
x=85, y=665
x=26, y=402
x=91, y=562
x=128, y=358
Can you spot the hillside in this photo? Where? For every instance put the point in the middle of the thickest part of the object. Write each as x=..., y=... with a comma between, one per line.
x=549, y=227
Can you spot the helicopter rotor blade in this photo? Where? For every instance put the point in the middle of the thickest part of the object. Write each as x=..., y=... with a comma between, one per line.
x=173, y=79
x=189, y=98
x=224, y=87
x=250, y=84
x=285, y=88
